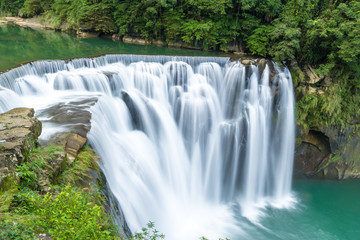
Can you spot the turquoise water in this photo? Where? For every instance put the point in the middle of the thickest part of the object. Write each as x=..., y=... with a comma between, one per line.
x=325, y=210
x=18, y=45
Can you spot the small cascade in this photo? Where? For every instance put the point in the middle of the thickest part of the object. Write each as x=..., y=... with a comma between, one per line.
x=185, y=142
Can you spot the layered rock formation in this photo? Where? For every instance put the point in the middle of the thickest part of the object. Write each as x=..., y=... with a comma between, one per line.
x=19, y=130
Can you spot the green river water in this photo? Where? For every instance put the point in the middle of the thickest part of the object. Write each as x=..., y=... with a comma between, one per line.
x=19, y=45
x=327, y=210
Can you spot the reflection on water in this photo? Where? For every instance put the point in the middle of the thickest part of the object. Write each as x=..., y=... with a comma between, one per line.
x=18, y=45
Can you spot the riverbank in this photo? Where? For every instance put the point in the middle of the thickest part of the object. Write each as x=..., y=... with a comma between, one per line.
x=39, y=22
x=35, y=23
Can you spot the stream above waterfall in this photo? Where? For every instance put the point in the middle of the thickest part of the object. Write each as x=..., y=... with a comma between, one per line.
x=19, y=45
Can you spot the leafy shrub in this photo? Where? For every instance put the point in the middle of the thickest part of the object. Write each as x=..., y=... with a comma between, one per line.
x=37, y=166
x=149, y=233
x=258, y=42
x=70, y=215
x=15, y=231
x=79, y=173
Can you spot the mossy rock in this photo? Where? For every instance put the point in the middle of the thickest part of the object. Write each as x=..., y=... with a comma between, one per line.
x=10, y=181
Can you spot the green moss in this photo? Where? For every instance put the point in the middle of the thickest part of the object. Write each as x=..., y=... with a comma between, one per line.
x=316, y=110
x=9, y=183
x=6, y=198
x=80, y=172
x=333, y=158
x=16, y=231
x=297, y=77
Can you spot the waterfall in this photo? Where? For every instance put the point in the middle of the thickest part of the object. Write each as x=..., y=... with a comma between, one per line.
x=189, y=143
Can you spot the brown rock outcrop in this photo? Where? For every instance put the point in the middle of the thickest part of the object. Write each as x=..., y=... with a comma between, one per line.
x=19, y=130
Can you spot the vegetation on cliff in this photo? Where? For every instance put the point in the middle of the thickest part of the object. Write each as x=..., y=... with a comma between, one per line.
x=45, y=203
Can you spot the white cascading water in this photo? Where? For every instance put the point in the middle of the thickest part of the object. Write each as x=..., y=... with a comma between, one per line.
x=185, y=142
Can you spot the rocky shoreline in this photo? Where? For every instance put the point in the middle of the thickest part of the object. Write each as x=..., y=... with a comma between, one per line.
x=39, y=23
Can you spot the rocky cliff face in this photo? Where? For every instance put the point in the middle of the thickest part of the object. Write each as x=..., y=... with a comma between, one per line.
x=331, y=153
x=323, y=151
x=19, y=130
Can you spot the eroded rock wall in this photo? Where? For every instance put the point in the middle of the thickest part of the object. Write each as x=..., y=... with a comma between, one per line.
x=330, y=151
x=19, y=130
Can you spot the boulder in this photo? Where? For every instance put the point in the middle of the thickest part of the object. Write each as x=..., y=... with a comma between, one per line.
x=261, y=65
x=247, y=61
x=240, y=53
x=159, y=43
x=175, y=44
x=312, y=76
x=85, y=34
x=116, y=37
x=71, y=142
x=139, y=41
x=19, y=130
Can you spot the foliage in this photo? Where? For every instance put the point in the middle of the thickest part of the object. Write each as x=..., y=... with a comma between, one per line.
x=70, y=215
x=37, y=166
x=65, y=212
x=35, y=7
x=16, y=231
x=149, y=233
x=11, y=7
x=79, y=173
x=259, y=42
x=286, y=41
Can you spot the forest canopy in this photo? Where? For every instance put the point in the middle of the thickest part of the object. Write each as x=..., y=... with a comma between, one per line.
x=318, y=32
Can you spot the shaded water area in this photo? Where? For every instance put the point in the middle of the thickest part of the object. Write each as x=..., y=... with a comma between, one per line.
x=200, y=145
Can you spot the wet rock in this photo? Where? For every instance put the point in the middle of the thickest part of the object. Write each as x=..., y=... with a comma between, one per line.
x=247, y=62
x=331, y=153
x=159, y=43
x=19, y=130
x=312, y=153
x=261, y=65
x=74, y=115
x=175, y=44
x=116, y=37
x=84, y=34
x=240, y=53
x=345, y=159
